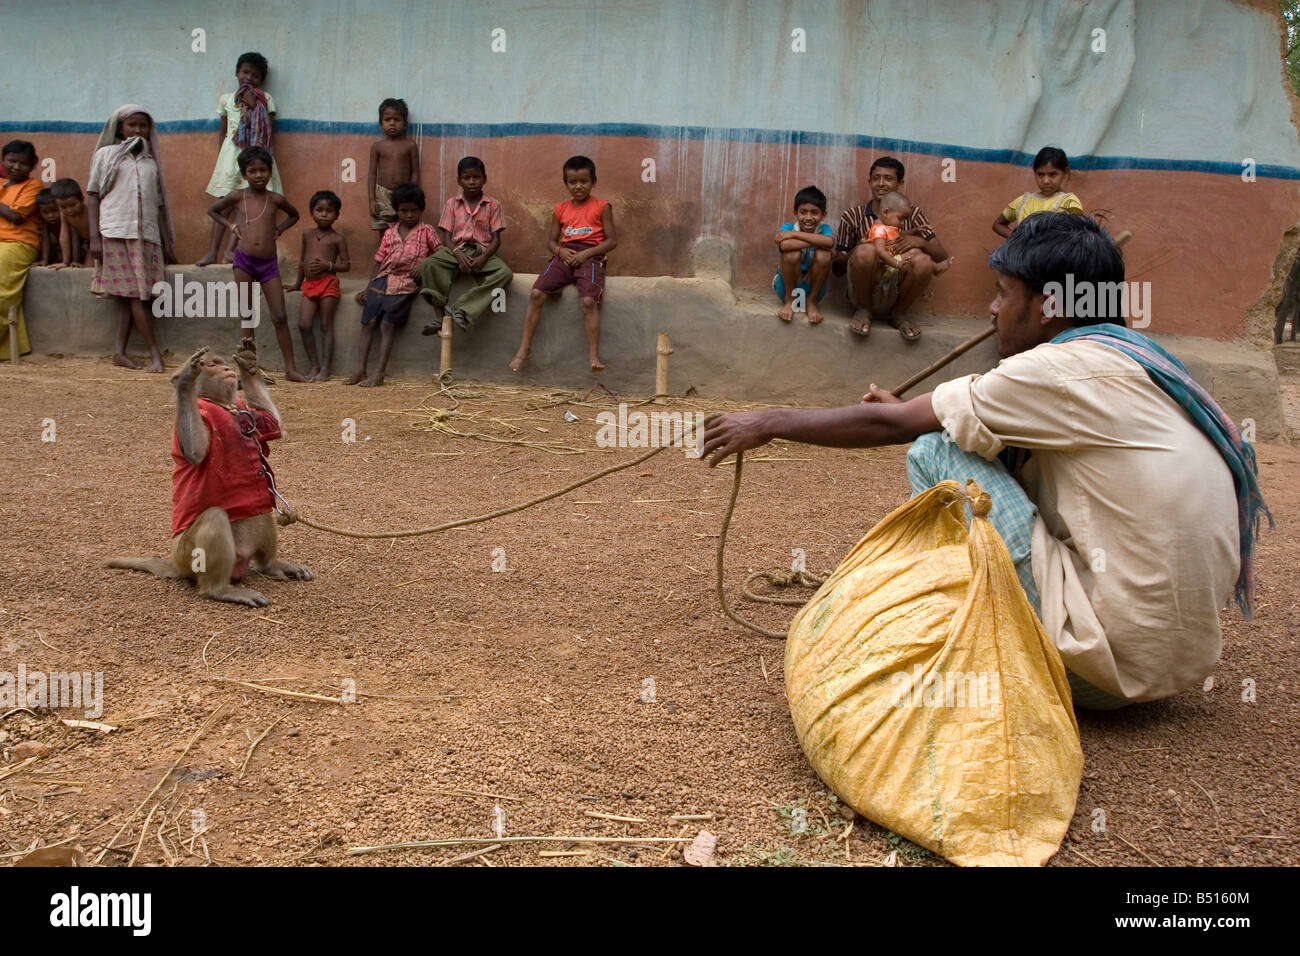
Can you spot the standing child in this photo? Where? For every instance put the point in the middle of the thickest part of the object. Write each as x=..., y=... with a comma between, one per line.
x=130, y=226
x=324, y=257
x=582, y=231
x=247, y=119
x=470, y=231
x=393, y=159
x=255, y=229
x=1051, y=170
x=75, y=238
x=51, y=226
x=389, y=293
x=20, y=240
x=805, y=246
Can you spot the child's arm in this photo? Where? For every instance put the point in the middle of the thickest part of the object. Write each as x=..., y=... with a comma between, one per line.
x=92, y=217
x=342, y=262
x=370, y=179
x=9, y=215
x=302, y=264
x=600, y=248
x=44, y=258
x=216, y=210
x=477, y=262
x=796, y=239
x=67, y=243
x=1003, y=226
x=553, y=242
x=414, y=160
x=291, y=215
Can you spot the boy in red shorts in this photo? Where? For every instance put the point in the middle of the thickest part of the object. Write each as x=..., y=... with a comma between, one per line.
x=324, y=256
x=582, y=231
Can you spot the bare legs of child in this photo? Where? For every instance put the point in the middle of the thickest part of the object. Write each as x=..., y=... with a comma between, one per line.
x=214, y=248
x=533, y=317
x=816, y=279
x=319, y=370
x=386, y=335
x=274, y=290
x=135, y=312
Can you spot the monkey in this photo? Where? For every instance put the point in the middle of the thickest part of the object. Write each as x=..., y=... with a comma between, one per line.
x=223, y=499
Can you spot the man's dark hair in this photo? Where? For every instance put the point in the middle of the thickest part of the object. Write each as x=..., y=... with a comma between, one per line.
x=66, y=189
x=250, y=153
x=257, y=61
x=407, y=193
x=21, y=147
x=392, y=103
x=1048, y=246
x=888, y=162
x=473, y=162
x=577, y=164
x=810, y=194
x=335, y=203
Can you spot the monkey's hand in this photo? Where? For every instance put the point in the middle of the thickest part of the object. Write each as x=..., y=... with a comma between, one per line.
x=246, y=357
x=184, y=379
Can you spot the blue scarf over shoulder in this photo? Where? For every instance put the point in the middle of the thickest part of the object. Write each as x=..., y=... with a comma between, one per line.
x=1176, y=382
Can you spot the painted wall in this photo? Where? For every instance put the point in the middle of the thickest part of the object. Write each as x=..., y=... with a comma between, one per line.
x=735, y=119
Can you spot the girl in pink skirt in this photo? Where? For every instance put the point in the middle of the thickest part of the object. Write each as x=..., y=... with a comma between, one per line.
x=130, y=226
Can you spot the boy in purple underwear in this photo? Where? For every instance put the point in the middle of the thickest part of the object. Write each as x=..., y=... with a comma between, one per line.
x=254, y=226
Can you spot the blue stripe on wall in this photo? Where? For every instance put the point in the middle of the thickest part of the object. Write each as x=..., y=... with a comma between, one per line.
x=740, y=135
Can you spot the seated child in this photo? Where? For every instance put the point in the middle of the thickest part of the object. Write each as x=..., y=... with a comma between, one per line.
x=255, y=230
x=324, y=256
x=75, y=238
x=470, y=231
x=582, y=231
x=895, y=208
x=393, y=159
x=1051, y=170
x=806, y=246
x=391, y=289
x=51, y=226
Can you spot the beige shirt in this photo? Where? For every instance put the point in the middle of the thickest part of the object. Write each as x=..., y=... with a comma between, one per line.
x=129, y=210
x=1135, y=547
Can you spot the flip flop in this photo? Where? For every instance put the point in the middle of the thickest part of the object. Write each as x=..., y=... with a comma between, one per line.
x=860, y=327
x=907, y=330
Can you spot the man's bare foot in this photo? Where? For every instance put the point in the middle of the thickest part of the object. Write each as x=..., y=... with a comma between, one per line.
x=814, y=314
x=156, y=362
x=121, y=358
x=373, y=381
x=786, y=312
x=356, y=379
x=518, y=362
x=205, y=261
x=596, y=364
x=323, y=375
x=941, y=267
x=293, y=375
x=312, y=373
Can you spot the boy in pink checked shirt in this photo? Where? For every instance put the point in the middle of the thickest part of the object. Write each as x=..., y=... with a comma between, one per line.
x=470, y=230
x=388, y=296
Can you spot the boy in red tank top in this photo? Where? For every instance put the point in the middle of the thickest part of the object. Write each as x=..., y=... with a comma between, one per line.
x=582, y=231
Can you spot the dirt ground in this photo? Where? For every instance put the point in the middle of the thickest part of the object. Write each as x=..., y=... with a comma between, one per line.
x=521, y=688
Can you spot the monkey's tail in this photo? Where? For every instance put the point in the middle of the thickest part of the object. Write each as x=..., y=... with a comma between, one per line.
x=155, y=566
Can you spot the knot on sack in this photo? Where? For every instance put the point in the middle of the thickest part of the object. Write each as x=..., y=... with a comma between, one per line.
x=981, y=502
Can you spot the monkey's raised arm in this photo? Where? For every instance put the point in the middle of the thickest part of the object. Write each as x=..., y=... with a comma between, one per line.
x=250, y=378
x=191, y=430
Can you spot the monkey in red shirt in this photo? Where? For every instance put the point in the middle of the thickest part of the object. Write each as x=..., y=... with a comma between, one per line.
x=222, y=505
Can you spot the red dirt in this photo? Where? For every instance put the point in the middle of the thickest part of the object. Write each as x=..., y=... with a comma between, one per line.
x=539, y=668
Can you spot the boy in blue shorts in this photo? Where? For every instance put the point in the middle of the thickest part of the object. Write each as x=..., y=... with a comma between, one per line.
x=806, y=246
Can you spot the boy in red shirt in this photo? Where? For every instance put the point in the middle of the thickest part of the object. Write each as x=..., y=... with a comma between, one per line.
x=582, y=231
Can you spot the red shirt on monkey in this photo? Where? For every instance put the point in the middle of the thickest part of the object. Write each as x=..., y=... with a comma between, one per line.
x=222, y=504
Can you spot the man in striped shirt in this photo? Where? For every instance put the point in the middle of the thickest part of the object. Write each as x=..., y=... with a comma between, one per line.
x=873, y=293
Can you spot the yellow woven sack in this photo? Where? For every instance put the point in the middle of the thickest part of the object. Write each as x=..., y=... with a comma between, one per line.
x=927, y=695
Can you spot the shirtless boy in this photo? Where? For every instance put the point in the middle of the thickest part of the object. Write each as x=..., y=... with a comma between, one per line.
x=393, y=159
x=324, y=257
x=75, y=238
x=254, y=227
x=48, y=213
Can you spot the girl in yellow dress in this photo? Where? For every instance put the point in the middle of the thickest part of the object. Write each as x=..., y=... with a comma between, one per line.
x=1052, y=170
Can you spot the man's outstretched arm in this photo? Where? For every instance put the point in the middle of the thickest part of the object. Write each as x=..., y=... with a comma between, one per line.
x=874, y=421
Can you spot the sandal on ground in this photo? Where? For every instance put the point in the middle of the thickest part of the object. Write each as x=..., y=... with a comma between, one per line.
x=908, y=330
x=860, y=327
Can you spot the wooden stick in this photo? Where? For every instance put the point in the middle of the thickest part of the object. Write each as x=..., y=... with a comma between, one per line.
x=282, y=693
x=970, y=343
x=444, y=363
x=662, y=350
x=13, y=334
